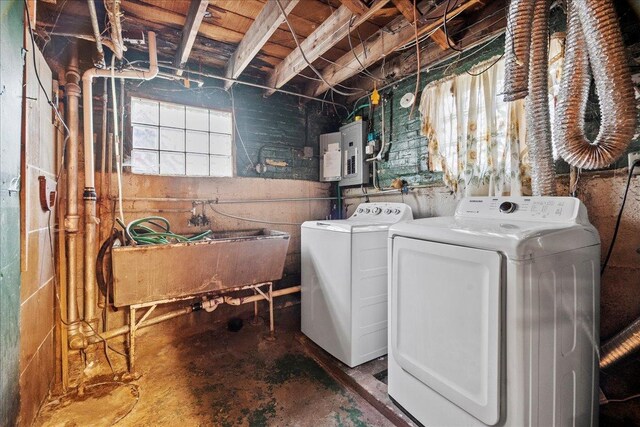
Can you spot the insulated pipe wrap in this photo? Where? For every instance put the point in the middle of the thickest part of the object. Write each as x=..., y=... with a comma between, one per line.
x=594, y=40
x=543, y=181
x=517, y=46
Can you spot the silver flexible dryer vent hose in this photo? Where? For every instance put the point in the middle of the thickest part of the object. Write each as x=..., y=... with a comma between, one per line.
x=625, y=342
x=517, y=44
x=543, y=174
x=594, y=40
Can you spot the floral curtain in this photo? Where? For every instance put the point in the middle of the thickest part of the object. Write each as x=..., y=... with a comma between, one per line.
x=477, y=140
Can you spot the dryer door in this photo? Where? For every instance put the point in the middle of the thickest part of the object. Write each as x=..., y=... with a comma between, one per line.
x=445, y=321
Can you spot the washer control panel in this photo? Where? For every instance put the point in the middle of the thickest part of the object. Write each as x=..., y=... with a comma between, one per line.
x=382, y=212
x=545, y=209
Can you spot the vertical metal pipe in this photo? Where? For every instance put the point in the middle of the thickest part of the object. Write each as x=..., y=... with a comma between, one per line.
x=99, y=61
x=71, y=221
x=103, y=161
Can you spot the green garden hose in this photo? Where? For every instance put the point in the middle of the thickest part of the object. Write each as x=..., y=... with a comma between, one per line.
x=155, y=230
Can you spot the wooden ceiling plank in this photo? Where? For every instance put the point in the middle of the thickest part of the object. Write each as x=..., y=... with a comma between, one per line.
x=334, y=29
x=266, y=23
x=384, y=43
x=197, y=10
x=210, y=31
x=355, y=6
x=406, y=8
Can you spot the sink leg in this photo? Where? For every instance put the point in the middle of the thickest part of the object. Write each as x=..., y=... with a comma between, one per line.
x=272, y=331
x=132, y=338
x=256, y=319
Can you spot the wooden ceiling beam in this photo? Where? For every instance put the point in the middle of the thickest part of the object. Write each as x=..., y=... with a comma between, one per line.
x=355, y=6
x=266, y=23
x=197, y=10
x=330, y=32
x=489, y=24
x=406, y=8
x=383, y=43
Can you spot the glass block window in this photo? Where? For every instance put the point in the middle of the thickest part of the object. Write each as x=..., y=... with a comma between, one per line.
x=173, y=139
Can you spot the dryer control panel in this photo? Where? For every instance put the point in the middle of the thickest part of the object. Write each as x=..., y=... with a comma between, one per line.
x=543, y=209
x=382, y=212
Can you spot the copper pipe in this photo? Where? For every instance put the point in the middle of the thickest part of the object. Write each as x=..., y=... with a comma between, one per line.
x=71, y=221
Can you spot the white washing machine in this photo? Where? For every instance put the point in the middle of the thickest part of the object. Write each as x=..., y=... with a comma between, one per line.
x=494, y=314
x=344, y=281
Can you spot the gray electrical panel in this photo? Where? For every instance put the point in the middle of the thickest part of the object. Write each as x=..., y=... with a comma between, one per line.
x=330, y=160
x=355, y=169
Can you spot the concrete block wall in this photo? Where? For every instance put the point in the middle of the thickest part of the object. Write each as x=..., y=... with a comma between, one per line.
x=37, y=289
x=11, y=32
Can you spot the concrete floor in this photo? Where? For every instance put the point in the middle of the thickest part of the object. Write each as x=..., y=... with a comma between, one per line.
x=211, y=376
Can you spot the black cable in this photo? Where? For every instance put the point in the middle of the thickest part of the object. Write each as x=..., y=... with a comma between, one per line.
x=446, y=31
x=617, y=227
x=46, y=94
x=486, y=69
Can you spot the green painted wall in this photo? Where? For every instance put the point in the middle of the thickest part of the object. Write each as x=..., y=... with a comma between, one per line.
x=11, y=65
x=277, y=127
x=407, y=157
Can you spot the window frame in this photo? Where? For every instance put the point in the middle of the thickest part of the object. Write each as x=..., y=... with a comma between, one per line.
x=128, y=147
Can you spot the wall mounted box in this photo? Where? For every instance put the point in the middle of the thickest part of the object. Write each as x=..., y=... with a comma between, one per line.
x=355, y=169
x=330, y=160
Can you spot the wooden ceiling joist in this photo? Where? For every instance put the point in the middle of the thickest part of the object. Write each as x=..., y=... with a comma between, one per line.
x=355, y=6
x=331, y=31
x=197, y=10
x=406, y=8
x=266, y=23
x=383, y=43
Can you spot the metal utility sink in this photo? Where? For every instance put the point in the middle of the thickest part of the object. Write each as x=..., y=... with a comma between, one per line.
x=228, y=259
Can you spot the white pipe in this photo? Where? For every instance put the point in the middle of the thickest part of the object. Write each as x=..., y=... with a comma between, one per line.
x=89, y=195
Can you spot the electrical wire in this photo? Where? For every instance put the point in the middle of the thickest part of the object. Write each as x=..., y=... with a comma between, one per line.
x=295, y=38
x=235, y=124
x=364, y=50
x=488, y=67
x=415, y=93
x=625, y=399
x=259, y=221
x=46, y=94
x=446, y=31
x=617, y=226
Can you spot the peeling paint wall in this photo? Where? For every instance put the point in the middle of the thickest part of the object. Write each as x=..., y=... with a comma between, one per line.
x=11, y=65
x=37, y=299
x=277, y=127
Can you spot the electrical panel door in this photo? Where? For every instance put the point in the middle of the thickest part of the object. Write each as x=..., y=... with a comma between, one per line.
x=330, y=159
x=355, y=169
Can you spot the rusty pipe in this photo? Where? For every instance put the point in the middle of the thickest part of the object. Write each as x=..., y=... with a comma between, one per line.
x=594, y=41
x=113, y=12
x=71, y=220
x=543, y=181
x=186, y=310
x=99, y=61
x=89, y=194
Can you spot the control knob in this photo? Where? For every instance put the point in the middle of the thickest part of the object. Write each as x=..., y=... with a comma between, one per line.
x=396, y=211
x=376, y=211
x=507, y=207
x=387, y=211
x=367, y=210
x=360, y=210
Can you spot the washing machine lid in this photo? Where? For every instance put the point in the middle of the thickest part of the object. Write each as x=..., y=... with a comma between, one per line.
x=516, y=239
x=346, y=226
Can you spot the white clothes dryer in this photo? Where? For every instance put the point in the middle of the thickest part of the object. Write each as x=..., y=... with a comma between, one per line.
x=494, y=314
